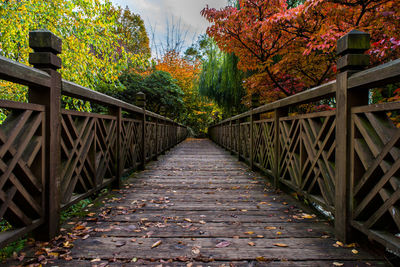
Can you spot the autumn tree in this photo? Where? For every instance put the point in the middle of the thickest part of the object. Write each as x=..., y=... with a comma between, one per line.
x=198, y=110
x=292, y=47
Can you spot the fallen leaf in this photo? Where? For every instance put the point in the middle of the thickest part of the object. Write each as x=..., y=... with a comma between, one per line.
x=95, y=260
x=260, y=236
x=307, y=216
x=156, y=244
x=355, y=251
x=251, y=244
x=262, y=259
x=120, y=244
x=338, y=263
x=278, y=233
x=280, y=245
x=196, y=250
x=269, y=227
x=188, y=220
x=202, y=222
x=339, y=243
x=249, y=233
x=223, y=244
x=352, y=245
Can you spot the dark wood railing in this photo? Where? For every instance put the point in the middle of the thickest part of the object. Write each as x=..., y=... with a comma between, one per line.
x=50, y=158
x=346, y=161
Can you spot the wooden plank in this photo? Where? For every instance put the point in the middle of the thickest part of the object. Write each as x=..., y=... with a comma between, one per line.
x=378, y=76
x=303, y=249
x=19, y=73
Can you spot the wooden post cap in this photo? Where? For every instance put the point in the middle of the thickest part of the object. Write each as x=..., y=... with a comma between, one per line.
x=141, y=99
x=45, y=41
x=46, y=46
x=351, y=48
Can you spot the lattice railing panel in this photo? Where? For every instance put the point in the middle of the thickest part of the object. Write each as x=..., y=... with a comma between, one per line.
x=21, y=165
x=245, y=140
x=88, y=157
x=130, y=143
x=150, y=139
x=307, y=159
x=376, y=175
x=235, y=137
x=264, y=136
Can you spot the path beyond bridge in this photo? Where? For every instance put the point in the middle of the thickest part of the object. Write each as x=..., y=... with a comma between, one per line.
x=199, y=205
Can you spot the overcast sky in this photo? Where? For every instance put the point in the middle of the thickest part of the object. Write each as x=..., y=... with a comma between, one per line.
x=156, y=12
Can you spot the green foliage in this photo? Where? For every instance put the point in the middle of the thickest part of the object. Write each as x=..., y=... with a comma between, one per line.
x=220, y=79
x=131, y=28
x=92, y=48
x=160, y=90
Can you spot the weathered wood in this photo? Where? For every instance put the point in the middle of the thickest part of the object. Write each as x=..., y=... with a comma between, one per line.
x=45, y=41
x=19, y=73
x=191, y=222
x=346, y=99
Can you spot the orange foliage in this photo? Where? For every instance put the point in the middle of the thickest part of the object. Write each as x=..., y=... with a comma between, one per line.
x=292, y=49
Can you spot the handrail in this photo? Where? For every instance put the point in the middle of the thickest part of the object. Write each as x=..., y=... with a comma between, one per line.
x=344, y=161
x=55, y=157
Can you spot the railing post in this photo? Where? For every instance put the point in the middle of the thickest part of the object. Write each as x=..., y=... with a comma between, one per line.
x=141, y=102
x=46, y=46
x=253, y=117
x=231, y=136
x=350, y=48
x=278, y=113
x=117, y=112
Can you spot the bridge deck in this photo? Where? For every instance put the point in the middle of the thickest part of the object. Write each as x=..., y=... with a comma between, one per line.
x=199, y=204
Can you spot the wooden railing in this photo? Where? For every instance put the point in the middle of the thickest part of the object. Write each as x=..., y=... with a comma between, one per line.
x=345, y=161
x=50, y=158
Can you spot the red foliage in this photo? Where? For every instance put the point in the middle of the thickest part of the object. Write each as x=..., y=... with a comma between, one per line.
x=291, y=50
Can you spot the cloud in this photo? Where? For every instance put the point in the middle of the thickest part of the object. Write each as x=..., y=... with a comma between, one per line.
x=155, y=13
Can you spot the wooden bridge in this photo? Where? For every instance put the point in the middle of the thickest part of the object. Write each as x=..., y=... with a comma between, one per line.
x=197, y=205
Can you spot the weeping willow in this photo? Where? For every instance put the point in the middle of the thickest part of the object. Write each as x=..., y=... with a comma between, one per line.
x=221, y=81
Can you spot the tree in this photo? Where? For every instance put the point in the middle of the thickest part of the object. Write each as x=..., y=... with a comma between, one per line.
x=132, y=32
x=91, y=53
x=160, y=90
x=220, y=79
x=292, y=47
x=198, y=110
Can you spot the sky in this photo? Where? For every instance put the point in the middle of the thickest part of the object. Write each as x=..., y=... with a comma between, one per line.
x=156, y=12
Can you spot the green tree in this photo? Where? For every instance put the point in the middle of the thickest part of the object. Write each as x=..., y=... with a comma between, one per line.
x=132, y=31
x=160, y=90
x=92, y=53
x=220, y=79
